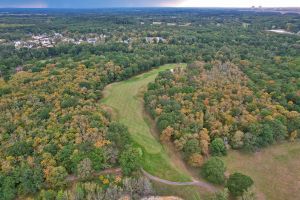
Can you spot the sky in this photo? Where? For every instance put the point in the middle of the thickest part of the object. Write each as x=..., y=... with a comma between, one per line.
x=144, y=3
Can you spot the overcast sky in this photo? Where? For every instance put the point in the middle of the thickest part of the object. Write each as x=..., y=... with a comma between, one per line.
x=145, y=3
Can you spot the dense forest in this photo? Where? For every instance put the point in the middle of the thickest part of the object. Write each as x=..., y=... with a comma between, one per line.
x=209, y=105
x=239, y=37
x=242, y=92
x=52, y=127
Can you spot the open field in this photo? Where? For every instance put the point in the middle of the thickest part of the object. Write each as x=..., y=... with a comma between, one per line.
x=123, y=97
x=275, y=170
x=185, y=192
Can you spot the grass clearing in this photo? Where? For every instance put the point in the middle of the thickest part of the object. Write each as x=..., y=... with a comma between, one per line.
x=122, y=97
x=126, y=101
x=275, y=170
x=185, y=192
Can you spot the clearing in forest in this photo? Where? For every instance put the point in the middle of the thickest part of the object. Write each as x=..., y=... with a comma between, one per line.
x=275, y=170
x=125, y=98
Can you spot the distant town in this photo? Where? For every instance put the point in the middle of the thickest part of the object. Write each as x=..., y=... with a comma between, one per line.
x=47, y=41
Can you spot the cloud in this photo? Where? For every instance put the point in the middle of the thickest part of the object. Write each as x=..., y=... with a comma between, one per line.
x=111, y=3
x=239, y=3
x=23, y=4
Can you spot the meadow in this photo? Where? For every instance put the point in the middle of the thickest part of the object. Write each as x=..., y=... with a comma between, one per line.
x=125, y=100
x=275, y=170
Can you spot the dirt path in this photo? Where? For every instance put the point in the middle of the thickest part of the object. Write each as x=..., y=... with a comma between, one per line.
x=204, y=185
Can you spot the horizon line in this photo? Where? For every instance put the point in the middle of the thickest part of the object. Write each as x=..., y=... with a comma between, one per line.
x=148, y=7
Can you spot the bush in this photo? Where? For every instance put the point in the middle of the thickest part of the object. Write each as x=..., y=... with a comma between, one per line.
x=213, y=170
x=218, y=147
x=238, y=183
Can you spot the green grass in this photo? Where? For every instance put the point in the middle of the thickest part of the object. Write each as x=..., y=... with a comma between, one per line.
x=125, y=98
x=122, y=97
x=275, y=170
x=185, y=192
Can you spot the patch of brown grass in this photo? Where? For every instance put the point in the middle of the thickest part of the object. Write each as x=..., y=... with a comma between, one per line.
x=185, y=192
x=275, y=170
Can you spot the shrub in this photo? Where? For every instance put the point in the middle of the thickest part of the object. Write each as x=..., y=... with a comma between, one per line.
x=238, y=183
x=213, y=170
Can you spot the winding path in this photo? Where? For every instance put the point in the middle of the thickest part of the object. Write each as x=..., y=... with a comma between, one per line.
x=202, y=184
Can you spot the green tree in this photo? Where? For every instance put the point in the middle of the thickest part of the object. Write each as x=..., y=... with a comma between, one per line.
x=118, y=134
x=130, y=160
x=279, y=130
x=31, y=179
x=218, y=148
x=64, y=156
x=238, y=183
x=213, y=170
x=191, y=146
x=57, y=177
x=7, y=187
x=21, y=148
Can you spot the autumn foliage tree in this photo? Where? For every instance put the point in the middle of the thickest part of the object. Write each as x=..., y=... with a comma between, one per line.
x=209, y=107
